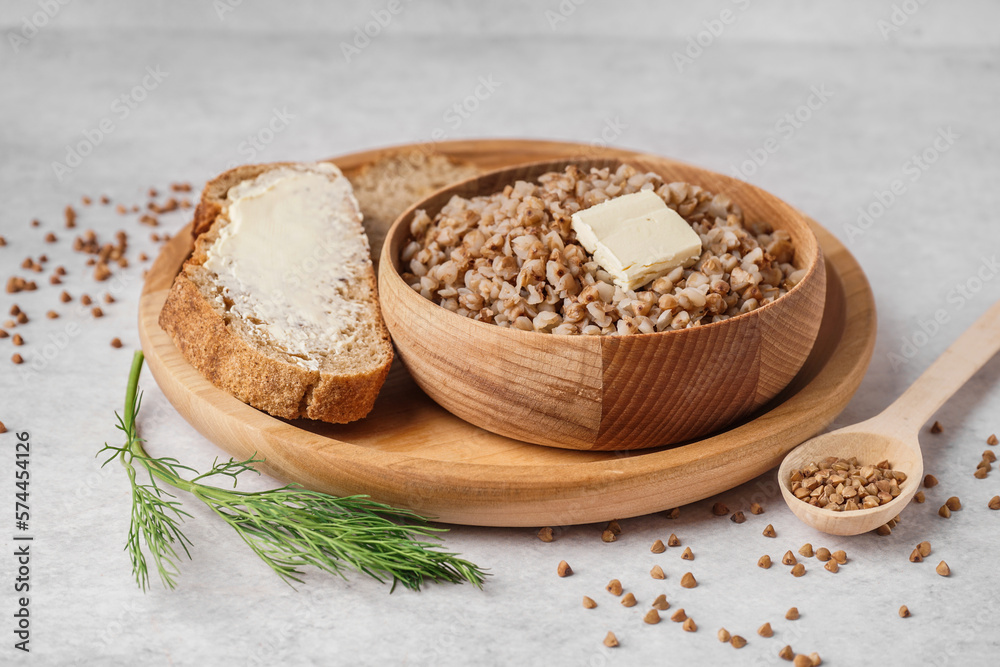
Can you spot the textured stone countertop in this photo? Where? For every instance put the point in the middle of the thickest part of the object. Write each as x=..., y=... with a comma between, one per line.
x=826, y=106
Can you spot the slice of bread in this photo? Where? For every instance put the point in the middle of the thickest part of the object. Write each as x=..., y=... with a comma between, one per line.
x=387, y=187
x=277, y=303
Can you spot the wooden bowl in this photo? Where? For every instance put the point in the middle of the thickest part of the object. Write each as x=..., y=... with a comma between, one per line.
x=606, y=392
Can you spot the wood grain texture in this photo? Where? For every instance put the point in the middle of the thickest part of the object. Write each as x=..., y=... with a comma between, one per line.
x=412, y=453
x=606, y=392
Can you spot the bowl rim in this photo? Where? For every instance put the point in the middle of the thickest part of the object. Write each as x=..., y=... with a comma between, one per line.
x=387, y=259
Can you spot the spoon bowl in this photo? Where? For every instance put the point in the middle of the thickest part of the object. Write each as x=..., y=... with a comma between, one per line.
x=870, y=446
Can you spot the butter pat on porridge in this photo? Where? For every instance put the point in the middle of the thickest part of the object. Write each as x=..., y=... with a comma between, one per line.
x=636, y=238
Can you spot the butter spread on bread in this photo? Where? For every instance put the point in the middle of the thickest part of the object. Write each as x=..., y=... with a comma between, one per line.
x=278, y=303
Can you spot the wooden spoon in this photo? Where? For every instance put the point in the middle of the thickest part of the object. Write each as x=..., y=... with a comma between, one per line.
x=892, y=434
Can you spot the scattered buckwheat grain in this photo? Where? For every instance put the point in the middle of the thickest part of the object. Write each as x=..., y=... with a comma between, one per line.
x=930, y=481
x=789, y=559
x=738, y=517
x=765, y=630
x=629, y=600
x=769, y=531
x=588, y=603
x=658, y=547
x=688, y=581
x=723, y=635
x=936, y=427
x=687, y=555
x=943, y=569
x=918, y=497
x=755, y=508
x=690, y=626
x=610, y=640
x=544, y=534
x=719, y=509
x=652, y=617
x=564, y=570
x=992, y=440
x=764, y=562
x=614, y=587
x=994, y=503
x=787, y=653
x=657, y=572
x=661, y=602
x=792, y=614
x=672, y=541
x=678, y=616
x=737, y=641
x=904, y=612
x=806, y=550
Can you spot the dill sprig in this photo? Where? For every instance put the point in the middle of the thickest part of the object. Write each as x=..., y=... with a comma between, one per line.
x=289, y=528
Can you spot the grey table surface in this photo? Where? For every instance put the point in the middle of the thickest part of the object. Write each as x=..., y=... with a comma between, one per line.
x=825, y=105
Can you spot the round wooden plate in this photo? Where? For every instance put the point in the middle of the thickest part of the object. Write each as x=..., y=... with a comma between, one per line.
x=411, y=453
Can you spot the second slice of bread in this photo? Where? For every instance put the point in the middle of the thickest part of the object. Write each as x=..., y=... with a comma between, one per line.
x=281, y=308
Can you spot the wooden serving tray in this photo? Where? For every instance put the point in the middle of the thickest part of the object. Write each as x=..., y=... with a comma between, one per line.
x=411, y=453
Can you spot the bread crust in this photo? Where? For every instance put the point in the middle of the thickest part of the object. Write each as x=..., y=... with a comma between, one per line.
x=232, y=363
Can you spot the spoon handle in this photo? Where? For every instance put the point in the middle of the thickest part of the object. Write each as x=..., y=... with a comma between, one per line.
x=948, y=373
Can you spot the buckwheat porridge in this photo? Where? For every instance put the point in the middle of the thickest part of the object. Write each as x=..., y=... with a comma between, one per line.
x=512, y=259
